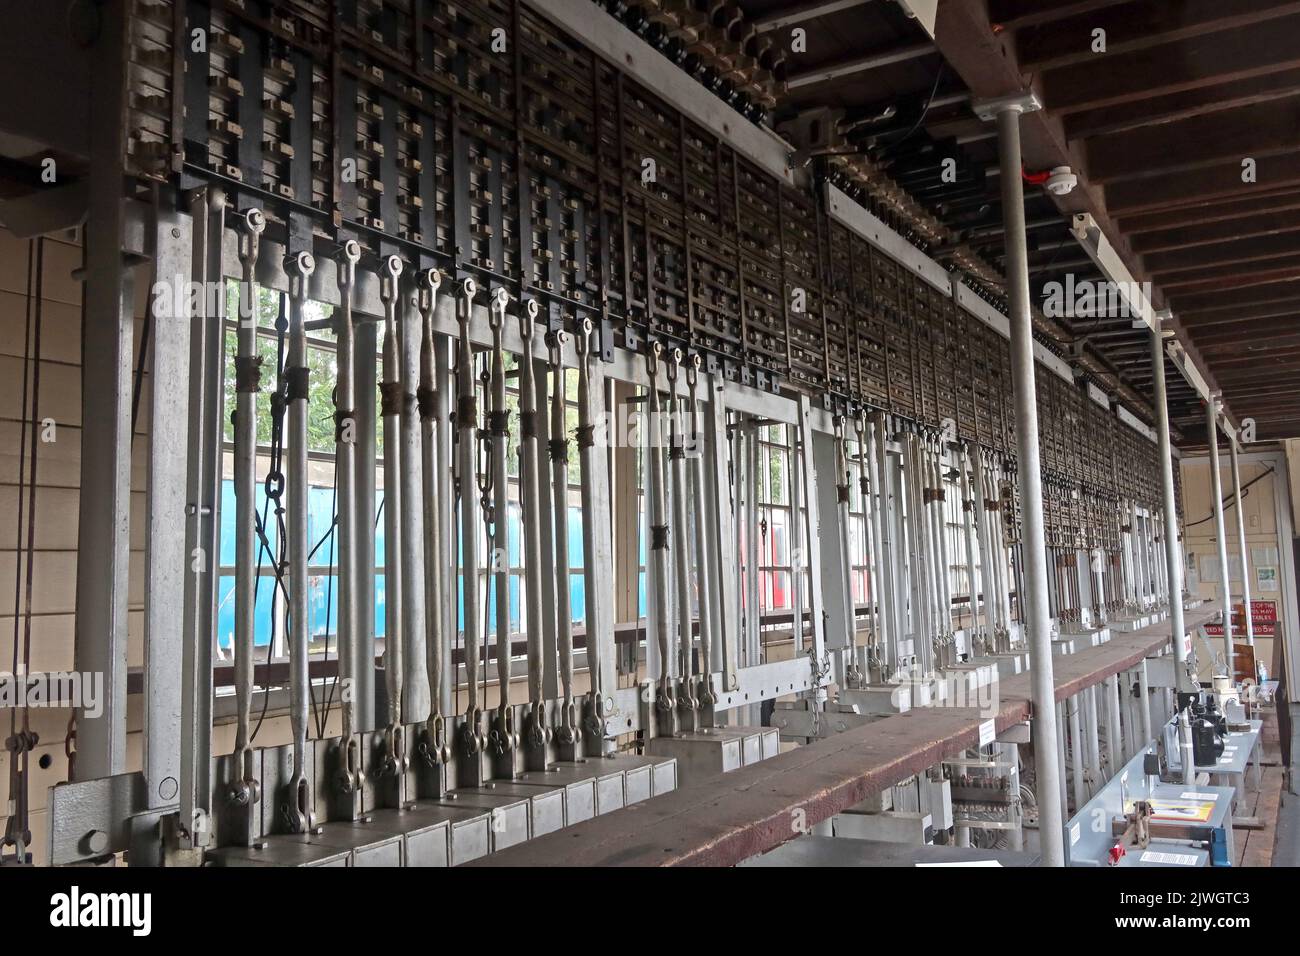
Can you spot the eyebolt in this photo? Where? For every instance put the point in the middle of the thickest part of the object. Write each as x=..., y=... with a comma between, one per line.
x=352, y=251
x=468, y=288
x=499, y=297
x=432, y=278
x=531, y=308
x=393, y=266
x=254, y=220
x=306, y=263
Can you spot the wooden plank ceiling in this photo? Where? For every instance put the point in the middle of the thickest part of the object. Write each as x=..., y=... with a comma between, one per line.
x=1157, y=127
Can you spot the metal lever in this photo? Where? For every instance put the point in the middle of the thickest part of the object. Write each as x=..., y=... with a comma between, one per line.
x=349, y=779
x=391, y=398
x=244, y=789
x=434, y=748
x=299, y=812
x=467, y=427
x=502, y=738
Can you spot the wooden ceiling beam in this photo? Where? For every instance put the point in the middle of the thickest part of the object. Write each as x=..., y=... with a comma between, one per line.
x=1213, y=210
x=1175, y=67
x=1018, y=14
x=1243, y=279
x=1129, y=28
x=1266, y=129
x=1221, y=254
x=1172, y=107
x=1286, y=290
x=1224, y=181
x=1281, y=220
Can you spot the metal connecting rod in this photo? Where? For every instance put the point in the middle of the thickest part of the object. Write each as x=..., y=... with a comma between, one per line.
x=1241, y=543
x=530, y=478
x=570, y=733
x=681, y=554
x=1216, y=486
x=886, y=535
x=704, y=691
x=415, y=668
x=503, y=737
x=432, y=465
x=851, y=674
x=1037, y=621
x=299, y=812
x=247, y=386
x=471, y=731
x=658, y=568
x=1169, y=505
x=877, y=662
x=345, y=449
x=390, y=394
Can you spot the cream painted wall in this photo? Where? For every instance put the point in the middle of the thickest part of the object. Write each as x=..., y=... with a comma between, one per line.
x=1200, y=544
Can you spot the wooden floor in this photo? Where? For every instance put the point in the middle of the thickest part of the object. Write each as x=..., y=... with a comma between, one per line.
x=729, y=818
x=1254, y=847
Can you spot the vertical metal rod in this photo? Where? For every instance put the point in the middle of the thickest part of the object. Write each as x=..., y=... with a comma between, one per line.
x=705, y=596
x=798, y=541
x=597, y=539
x=466, y=489
x=1241, y=544
x=503, y=736
x=300, y=810
x=529, y=488
x=1144, y=703
x=871, y=526
x=750, y=516
x=247, y=387
x=1221, y=540
x=1037, y=622
x=885, y=560
x=431, y=400
x=365, y=385
x=1092, y=735
x=166, y=560
x=415, y=664
x=444, y=384
x=842, y=478
x=1078, y=753
x=206, y=392
x=1114, y=729
x=390, y=390
x=345, y=465
x=658, y=570
x=973, y=587
x=570, y=732
x=681, y=544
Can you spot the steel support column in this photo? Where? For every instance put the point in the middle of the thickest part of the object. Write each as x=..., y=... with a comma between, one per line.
x=1037, y=620
x=1241, y=544
x=1216, y=486
x=1169, y=505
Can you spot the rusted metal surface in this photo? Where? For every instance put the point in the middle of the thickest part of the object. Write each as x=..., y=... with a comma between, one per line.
x=729, y=818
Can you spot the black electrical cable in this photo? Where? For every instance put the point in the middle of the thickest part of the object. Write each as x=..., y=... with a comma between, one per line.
x=1230, y=500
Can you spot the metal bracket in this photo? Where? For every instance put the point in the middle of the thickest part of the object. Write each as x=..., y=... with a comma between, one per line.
x=1022, y=102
